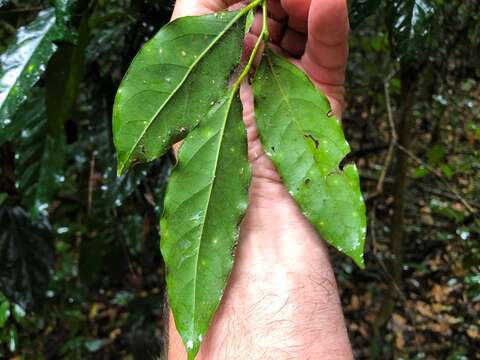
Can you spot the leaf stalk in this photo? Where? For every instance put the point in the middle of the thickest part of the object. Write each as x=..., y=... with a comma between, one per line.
x=264, y=35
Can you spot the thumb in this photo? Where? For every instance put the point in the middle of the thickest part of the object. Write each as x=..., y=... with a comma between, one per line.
x=201, y=7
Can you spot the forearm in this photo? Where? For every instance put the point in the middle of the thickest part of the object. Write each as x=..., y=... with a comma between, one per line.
x=282, y=301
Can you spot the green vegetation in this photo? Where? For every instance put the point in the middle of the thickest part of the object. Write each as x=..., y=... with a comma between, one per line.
x=81, y=275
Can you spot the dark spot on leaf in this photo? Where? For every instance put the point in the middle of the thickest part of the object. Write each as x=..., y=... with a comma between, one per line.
x=273, y=148
x=233, y=250
x=315, y=141
x=307, y=181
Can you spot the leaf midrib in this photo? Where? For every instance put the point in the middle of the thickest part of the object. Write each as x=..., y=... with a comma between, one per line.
x=286, y=99
x=221, y=133
x=180, y=84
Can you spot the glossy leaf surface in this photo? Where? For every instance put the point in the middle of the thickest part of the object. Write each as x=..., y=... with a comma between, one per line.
x=64, y=74
x=173, y=82
x=22, y=64
x=204, y=204
x=26, y=257
x=307, y=146
x=410, y=22
x=40, y=159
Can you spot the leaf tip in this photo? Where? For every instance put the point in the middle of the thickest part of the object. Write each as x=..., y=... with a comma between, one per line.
x=360, y=261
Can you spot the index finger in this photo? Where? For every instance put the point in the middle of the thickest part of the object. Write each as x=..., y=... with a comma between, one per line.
x=326, y=51
x=201, y=7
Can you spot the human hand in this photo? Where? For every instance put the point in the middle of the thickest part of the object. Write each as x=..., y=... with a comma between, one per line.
x=281, y=300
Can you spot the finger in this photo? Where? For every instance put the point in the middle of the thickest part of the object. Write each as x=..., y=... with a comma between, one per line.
x=275, y=10
x=294, y=42
x=326, y=50
x=249, y=44
x=300, y=25
x=276, y=28
x=297, y=10
x=201, y=7
x=262, y=166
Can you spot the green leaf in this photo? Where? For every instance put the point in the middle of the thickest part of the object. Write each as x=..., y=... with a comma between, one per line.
x=250, y=19
x=21, y=66
x=410, y=22
x=12, y=339
x=419, y=172
x=64, y=9
x=447, y=171
x=362, y=9
x=40, y=157
x=307, y=146
x=205, y=201
x=3, y=197
x=26, y=257
x=94, y=345
x=173, y=82
x=4, y=312
x=64, y=74
x=436, y=154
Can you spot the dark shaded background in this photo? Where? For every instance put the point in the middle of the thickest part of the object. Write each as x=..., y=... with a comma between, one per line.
x=88, y=276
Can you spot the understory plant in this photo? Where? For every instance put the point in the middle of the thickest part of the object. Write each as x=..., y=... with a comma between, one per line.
x=181, y=86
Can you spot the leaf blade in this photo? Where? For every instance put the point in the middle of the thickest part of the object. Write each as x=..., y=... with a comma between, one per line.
x=64, y=75
x=174, y=84
x=40, y=157
x=22, y=65
x=206, y=198
x=306, y=146
x=410, y=23
x=26, y=257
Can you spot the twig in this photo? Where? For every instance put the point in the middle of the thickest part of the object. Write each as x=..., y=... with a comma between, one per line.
x=439, y=175
x=393, y=138
x=428, y=348
x=394, y=143
x=393, y=134
x=91, y=183
x=124, y=246
x=385, y=270
x=21, y=10
x=388, y=180
x=378, y=259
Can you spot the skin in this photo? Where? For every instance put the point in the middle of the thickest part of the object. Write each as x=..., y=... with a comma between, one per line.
x=281, y=301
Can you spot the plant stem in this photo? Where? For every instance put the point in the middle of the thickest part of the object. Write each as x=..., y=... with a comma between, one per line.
x=250, y=6
x=265, y=34
x=262, y=37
